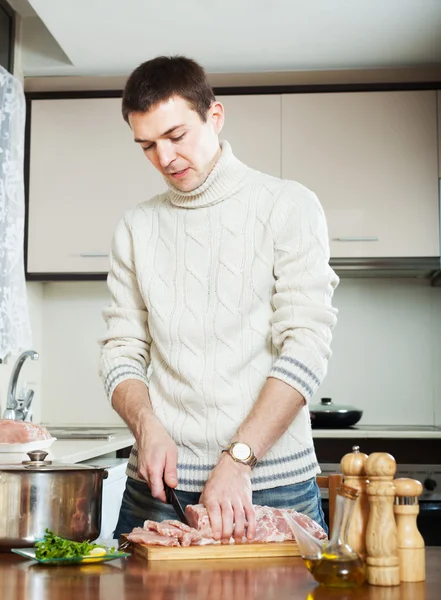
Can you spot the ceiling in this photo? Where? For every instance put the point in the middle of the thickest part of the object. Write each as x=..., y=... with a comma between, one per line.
x=111, y=37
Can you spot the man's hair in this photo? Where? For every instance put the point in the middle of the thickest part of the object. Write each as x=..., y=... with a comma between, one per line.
x=160, y=79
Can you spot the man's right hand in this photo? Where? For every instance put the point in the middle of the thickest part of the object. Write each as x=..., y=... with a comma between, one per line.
x=157, y=452
x=157, y=459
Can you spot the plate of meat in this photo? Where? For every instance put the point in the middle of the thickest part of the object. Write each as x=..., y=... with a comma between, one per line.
x=22, y=436
x=174, y=540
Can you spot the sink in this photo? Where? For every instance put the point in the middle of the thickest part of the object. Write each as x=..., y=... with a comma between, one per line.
x=81, y=433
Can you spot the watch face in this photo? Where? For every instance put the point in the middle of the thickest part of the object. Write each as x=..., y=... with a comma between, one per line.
x=241, y=451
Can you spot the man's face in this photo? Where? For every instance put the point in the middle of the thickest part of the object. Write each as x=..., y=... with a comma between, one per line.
x=177, y=142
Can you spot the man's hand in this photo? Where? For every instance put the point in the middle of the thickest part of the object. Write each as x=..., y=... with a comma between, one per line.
x=157, y=452
x=227, y=496
x=157, y=458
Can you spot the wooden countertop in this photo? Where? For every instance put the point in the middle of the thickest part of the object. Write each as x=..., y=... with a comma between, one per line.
x=135, y=579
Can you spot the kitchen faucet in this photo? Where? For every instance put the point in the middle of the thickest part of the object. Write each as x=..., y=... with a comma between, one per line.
x=17, y=409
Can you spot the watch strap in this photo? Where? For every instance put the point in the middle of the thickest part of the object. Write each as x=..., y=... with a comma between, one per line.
x=251, y=461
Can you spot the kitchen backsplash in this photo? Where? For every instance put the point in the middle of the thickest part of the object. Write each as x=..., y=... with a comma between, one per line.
x=386, y=352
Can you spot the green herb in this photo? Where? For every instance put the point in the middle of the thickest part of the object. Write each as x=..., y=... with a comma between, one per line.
x=54, y=546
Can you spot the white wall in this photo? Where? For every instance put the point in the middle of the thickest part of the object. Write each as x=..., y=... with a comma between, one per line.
x=387, y=352
x=73, y=392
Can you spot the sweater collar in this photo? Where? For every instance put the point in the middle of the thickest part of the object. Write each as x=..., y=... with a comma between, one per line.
x=223, y=180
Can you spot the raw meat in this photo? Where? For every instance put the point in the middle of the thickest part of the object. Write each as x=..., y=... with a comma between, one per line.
x=185, y=534
x=21, y=432
x=151, y=538
x=272, y=524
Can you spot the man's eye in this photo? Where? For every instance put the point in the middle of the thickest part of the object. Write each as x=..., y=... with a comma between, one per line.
x=145, y=148
x=178, y=139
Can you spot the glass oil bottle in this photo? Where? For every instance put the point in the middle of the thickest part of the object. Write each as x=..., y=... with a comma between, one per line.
x=334, y=563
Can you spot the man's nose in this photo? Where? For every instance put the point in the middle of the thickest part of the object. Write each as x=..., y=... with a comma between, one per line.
x=166, y=155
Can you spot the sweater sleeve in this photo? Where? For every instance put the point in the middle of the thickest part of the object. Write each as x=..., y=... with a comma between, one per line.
x=303, y=316
x=125, y=349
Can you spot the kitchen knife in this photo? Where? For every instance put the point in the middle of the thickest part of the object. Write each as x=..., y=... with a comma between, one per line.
x=172, y=499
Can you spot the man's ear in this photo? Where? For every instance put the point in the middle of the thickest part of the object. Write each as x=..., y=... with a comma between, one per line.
x=217, y=116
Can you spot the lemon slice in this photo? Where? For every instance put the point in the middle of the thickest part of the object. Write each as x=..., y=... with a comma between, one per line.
x=97, y=552
x=94, y=555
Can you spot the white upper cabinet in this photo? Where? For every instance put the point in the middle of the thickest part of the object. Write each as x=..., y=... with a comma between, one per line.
x=86, y=171
x=439, y=133
x=371, y=158
x=252, y=126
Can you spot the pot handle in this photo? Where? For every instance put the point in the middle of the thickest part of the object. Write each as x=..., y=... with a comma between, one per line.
x=104, y=471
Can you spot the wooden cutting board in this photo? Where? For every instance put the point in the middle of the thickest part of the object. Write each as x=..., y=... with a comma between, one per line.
x=221, y=551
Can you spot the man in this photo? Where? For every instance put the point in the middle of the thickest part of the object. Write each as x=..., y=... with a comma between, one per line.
x=222, y=285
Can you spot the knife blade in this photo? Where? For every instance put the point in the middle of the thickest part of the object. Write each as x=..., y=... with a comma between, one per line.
x=172, y=499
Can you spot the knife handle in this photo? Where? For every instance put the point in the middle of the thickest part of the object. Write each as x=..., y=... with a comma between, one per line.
x=167, y=492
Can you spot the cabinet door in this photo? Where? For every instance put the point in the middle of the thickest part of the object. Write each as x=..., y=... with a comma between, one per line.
x=371, y=158
x=85, y=172
x=439, y=132
x=252, y=126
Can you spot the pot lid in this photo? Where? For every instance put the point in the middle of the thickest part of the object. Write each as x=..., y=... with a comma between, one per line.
x=327, y=406
x=37, y=462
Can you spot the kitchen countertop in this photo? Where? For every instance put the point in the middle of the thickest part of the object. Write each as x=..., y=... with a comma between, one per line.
x=381, y=431
x=247, y=579
x=78, y=450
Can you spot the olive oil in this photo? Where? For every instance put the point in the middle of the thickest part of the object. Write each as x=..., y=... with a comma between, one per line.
x=337, y=571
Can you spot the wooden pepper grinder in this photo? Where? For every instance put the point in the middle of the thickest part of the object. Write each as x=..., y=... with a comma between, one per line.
x=410, y=541
x=381, y=534
x=353, y=466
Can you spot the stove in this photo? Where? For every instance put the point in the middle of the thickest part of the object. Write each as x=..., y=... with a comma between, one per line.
x=417, y=428
x=428, y=475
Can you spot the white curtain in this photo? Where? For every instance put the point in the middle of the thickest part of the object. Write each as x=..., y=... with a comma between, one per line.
x=15, y=330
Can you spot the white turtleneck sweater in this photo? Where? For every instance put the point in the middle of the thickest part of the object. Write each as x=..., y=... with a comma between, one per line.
x=217, y=289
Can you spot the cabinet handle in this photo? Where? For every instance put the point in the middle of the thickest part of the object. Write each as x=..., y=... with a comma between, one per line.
x=93, y=255
x=357, y=239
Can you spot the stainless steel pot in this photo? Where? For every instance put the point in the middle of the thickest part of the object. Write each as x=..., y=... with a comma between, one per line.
x=37, y=494
x=328, y=415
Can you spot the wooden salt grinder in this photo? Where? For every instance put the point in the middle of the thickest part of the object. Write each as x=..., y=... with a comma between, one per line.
x=354, y=471
x=410, y=541
x=381, y=534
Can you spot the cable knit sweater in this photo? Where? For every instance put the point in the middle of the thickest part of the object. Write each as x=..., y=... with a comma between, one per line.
x=217, y=289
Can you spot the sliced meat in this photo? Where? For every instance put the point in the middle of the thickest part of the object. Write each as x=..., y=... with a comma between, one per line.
x=21, y=432
x=151, y=538
x=171, y=528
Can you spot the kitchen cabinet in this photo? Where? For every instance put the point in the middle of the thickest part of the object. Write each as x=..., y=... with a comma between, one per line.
x=371, y=158
x=86, y=171
x=252, y=126
x=439, y=132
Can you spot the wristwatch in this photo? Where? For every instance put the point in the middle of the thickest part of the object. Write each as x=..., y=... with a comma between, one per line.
x=242, y=453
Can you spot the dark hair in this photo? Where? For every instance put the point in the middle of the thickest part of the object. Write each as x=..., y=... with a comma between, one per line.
x=160, y=79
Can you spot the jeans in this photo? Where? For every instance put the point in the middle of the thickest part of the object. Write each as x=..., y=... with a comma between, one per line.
x=139, y=505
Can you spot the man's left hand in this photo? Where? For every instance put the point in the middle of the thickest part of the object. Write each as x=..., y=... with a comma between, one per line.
x=227, y=496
